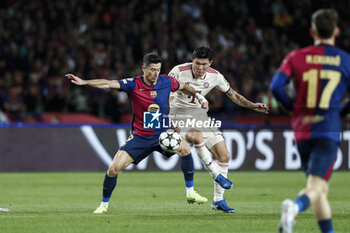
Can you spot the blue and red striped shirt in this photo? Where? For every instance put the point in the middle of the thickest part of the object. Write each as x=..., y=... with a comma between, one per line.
x=321, y=76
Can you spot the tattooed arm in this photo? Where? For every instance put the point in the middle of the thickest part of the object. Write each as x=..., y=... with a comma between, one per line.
x=241, y=101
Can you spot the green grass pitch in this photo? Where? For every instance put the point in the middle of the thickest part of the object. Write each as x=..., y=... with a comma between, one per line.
x=155, y=202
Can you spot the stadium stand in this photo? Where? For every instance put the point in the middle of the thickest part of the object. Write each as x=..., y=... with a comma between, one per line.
x=41, y=40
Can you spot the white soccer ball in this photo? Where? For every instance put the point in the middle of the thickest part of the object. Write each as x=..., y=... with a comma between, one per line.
x=170, y=140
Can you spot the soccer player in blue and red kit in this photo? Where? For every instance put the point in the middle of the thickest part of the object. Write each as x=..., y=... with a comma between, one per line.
x=149, y=96
x=321, y=75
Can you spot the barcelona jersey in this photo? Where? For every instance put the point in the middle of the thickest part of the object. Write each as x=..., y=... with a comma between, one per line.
x=150, y=103
x=321, y=76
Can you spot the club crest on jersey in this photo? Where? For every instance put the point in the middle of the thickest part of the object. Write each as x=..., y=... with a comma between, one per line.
x=153, y=94
x=206, y=84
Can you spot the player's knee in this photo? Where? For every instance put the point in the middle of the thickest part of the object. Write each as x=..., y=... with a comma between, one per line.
x=317, y=184
x=194, y=136
x=317, y=189
x=325, y=190
x=224, y=157
x=113, y=171
x=184, y=149
x=314, y=193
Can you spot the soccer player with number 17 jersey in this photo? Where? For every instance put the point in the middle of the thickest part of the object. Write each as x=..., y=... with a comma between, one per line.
x=321, y=75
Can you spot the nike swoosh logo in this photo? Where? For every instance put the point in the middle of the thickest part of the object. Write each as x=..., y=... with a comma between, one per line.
x=142, y=89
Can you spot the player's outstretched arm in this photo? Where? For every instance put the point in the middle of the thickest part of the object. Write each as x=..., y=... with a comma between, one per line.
x=98, y=83
x=240, y=100
x=188, y=90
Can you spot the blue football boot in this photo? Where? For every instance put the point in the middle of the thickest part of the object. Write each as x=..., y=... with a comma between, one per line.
x=223, y=182
x=222, y=205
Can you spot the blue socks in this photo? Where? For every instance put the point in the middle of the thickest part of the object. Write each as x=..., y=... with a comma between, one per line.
x=108, y=186
x=326, y=226
x=303, y=202
x=187, y=168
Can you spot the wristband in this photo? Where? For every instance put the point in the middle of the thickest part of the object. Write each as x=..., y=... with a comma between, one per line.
x=200, y=97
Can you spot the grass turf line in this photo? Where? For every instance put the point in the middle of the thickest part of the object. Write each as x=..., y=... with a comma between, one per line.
x=156, y=202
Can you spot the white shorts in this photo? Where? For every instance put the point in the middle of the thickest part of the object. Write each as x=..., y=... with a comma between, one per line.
x=211, y=135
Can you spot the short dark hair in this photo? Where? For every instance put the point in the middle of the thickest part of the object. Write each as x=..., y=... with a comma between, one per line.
x=150, y=58
x=202, y=52
x=324, y=21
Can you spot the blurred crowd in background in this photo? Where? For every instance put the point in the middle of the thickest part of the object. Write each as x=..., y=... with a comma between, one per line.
x=42, y=40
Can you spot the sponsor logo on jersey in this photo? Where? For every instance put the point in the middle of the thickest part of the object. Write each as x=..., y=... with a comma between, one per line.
x=153, y=108
x=206, y=84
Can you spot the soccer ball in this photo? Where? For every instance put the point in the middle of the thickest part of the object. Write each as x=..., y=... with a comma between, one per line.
x=170, y=140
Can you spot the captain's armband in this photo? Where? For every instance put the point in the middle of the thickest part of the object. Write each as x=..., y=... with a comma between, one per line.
x=230, y=92
x=201, y=98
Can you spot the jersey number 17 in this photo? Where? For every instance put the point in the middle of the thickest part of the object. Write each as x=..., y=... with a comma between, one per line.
x=311, y=77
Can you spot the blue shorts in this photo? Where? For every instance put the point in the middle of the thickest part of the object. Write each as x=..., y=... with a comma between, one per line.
x=139, y=147
x=318, y=156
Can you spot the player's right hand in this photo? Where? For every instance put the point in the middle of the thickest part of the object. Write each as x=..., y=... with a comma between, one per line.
x=202, y=100
x=260, y=107
x=75, y=79
x=204, y=104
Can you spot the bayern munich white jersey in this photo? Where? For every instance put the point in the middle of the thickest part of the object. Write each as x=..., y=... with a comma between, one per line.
x=211, y=79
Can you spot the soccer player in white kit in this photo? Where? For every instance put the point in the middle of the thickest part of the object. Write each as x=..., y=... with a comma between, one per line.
x=184, y=108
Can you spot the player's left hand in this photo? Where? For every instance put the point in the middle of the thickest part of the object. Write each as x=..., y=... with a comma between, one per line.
x=260, y=107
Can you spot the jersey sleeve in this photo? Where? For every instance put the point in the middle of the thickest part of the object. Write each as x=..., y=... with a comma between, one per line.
x=174, y=84
x=277, y=88
x=222, y=84
x=286, y=66
x=174, y=77
x=347, y=70
x=174, y=73
x=127, y=84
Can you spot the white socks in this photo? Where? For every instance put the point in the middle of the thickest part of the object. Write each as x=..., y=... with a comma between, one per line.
x=104, y=203
x=204, y=155
x=214, y=169
x=222, y=168
x=189, y=190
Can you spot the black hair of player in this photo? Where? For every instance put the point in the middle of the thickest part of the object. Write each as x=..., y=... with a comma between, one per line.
x=202, y=52
x=151, y=58
x=324, y=21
